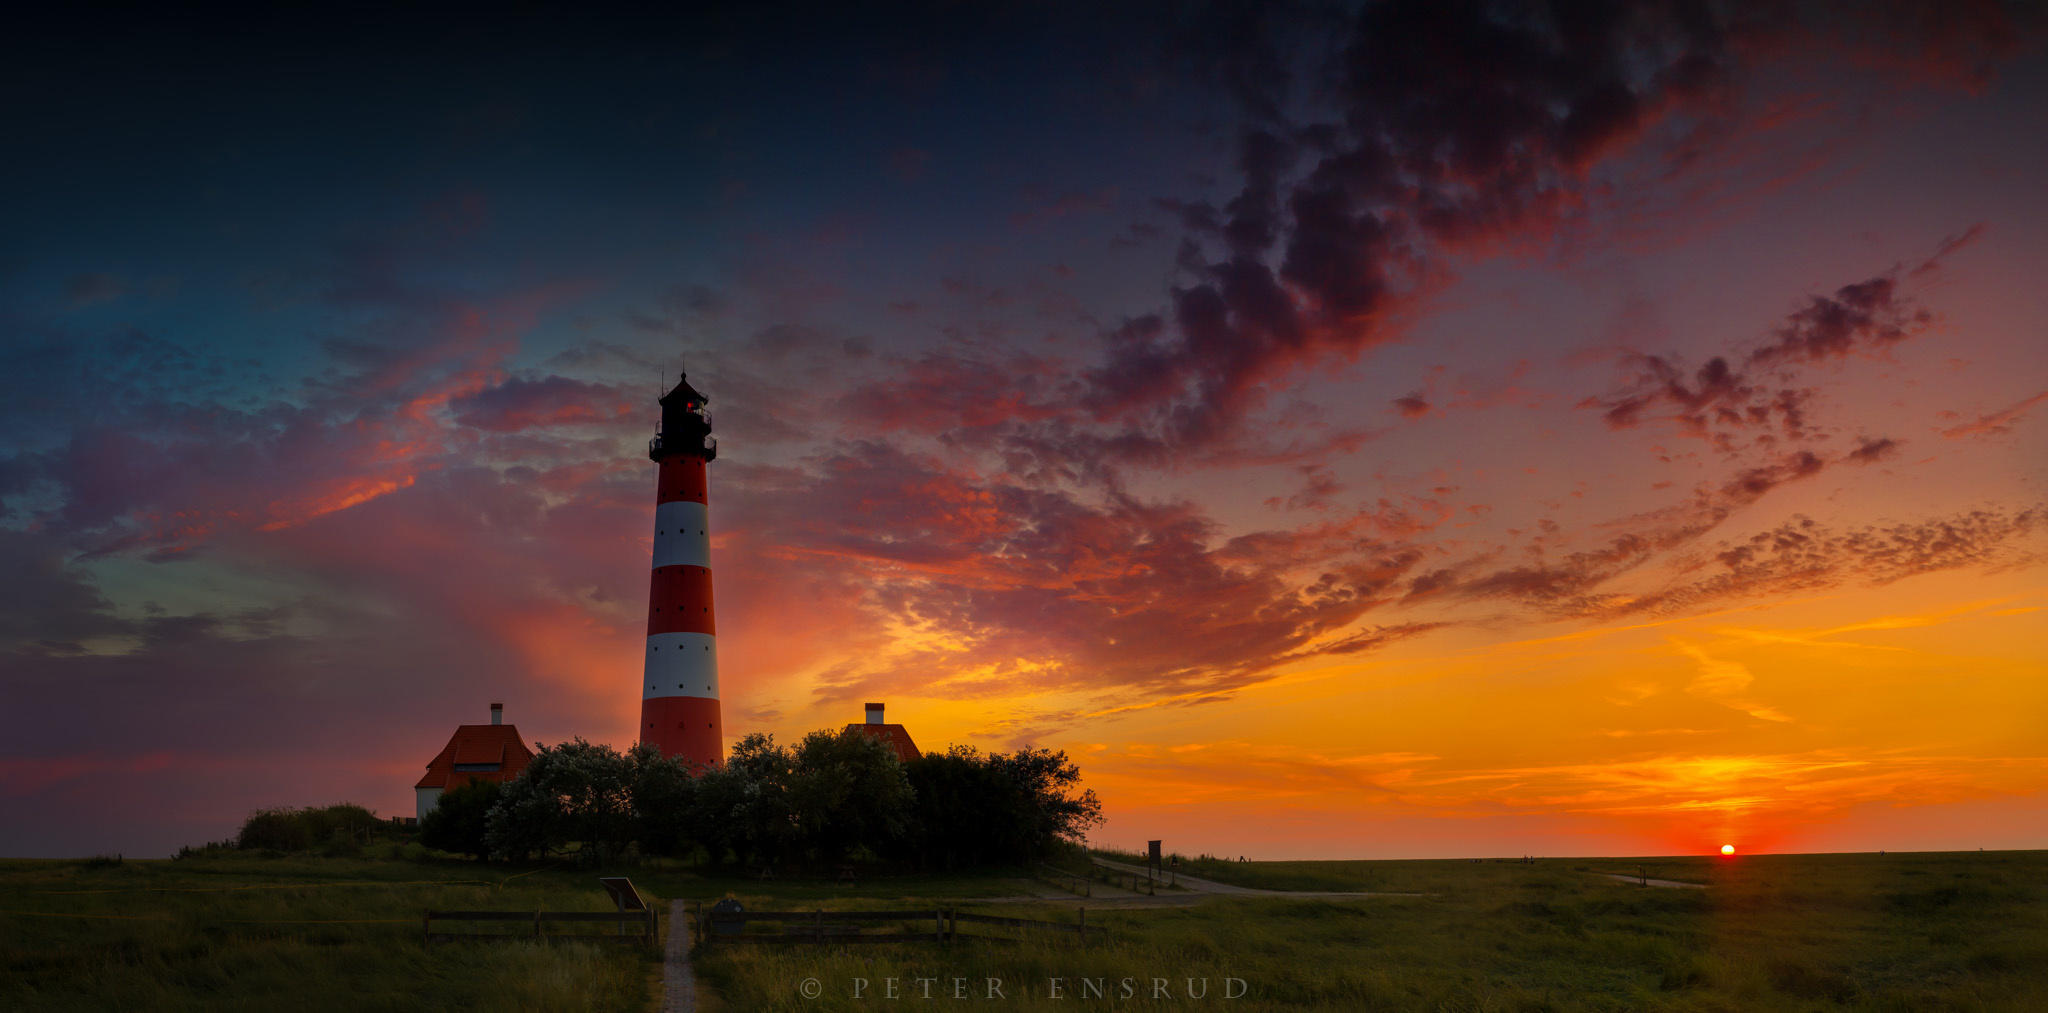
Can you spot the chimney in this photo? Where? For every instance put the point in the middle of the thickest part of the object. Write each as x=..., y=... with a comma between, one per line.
x=497, y=714
x=874, y=714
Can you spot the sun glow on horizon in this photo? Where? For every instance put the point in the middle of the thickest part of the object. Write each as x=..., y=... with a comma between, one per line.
x=1727, y=849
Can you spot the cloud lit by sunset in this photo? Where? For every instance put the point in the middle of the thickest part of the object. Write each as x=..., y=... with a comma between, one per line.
x=1339, y=446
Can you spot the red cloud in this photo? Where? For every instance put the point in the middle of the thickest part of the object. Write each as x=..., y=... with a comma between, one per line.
x=1124, y=593
x=1997, y=423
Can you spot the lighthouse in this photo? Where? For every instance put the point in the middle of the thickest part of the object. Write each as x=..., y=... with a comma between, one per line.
x=679, y=701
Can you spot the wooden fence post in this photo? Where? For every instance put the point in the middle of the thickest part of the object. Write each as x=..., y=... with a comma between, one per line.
x=1082, y=929
x=536, y=923
x=818, y=925
x=427, y=930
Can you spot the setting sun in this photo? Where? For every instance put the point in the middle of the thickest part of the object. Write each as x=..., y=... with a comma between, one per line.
x=1727, y=849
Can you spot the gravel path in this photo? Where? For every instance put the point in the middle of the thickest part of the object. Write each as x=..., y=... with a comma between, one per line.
x=678, y=979
x=1653, y=882
x=1210, y=886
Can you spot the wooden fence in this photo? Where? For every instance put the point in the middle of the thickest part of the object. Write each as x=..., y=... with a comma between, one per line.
x=818, y=926
x=632, y=926
x=1136, y=882
x=1065, y=880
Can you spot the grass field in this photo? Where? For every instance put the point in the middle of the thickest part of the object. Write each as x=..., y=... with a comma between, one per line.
x=234, y=932
x=249, y=933
x=1897, y=932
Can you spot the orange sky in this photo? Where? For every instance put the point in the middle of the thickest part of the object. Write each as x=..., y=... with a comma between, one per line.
x=1629, y=449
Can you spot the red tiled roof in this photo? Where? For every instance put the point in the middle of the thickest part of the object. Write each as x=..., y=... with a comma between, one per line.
x=895, y=735
x=478, y=744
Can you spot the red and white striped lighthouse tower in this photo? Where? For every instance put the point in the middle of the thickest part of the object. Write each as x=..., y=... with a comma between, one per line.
x=679, y=705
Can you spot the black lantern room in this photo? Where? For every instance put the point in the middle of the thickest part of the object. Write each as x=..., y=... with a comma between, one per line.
x=685, y=425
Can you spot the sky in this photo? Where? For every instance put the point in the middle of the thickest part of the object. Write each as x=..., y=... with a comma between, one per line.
x=1354, y=431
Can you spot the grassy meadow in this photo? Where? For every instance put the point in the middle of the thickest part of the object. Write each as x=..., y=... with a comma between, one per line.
x=251, y=933
x=232, y=931
x=1897, y=932
x=241, y=932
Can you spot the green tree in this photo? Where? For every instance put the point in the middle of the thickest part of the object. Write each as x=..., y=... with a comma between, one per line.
x=972, y=809
x=572, y=792
x=664, y=802
x=847, y=792
x=1052, y=811
x=744, y=808
x=460, y=821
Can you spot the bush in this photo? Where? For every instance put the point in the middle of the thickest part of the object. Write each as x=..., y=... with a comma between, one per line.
x=274, y=830
x=335, y=829
x=461, y=819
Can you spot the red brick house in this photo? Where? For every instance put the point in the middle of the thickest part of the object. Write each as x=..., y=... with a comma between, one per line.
x=492, y=752
x=894, y=735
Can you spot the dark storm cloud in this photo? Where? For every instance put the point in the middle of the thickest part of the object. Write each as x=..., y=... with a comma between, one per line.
x=1563, y=586
x=1449, y=125
x=538, y=402
x=1438, y=131
x=1763, y=402
x=1802, y=554
x=45, y=603
x=1412, y=406
x=1858, y=318
x=1714, y=393
x=1870, y=451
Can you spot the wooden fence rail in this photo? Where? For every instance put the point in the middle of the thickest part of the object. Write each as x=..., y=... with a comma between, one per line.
x=633, y=926
x=1065, y=880
x=820, y=926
